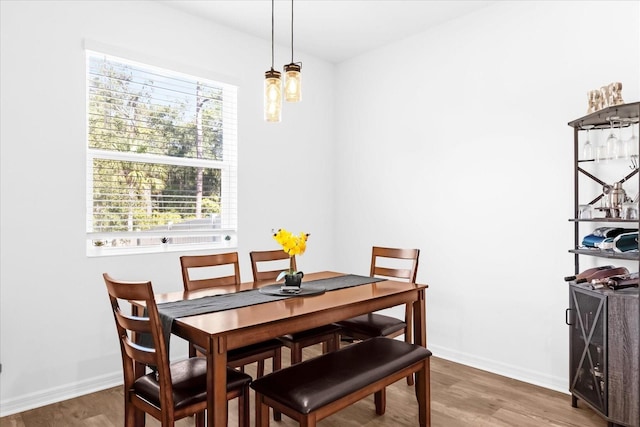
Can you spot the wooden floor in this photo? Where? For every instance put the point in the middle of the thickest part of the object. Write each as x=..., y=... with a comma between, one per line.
x=460, y=396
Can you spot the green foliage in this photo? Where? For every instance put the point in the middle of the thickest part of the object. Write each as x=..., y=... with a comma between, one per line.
x=125, y=115
x=211, y=205
x=156, y=219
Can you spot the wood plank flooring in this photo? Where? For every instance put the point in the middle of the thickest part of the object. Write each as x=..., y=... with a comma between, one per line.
x=460, y=396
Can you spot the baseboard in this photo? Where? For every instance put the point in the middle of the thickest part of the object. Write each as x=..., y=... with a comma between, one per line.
x=69, y=391
x=58, y=394
x=559, y=384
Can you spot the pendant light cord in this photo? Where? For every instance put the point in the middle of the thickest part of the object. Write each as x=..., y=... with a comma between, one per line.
x=272, y=32
x=292, y=31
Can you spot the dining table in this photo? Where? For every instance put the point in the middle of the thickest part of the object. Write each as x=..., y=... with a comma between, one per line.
x=232, y=327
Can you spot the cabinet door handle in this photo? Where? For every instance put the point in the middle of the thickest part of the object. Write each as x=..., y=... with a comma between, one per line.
x=567, y=313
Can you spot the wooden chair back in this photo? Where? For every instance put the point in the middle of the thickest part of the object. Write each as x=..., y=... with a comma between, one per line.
x=136, y=354
x=266, y=257
x=191, y=263
x=410, y=255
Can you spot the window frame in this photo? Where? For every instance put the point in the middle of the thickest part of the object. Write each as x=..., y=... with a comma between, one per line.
x=228, y=172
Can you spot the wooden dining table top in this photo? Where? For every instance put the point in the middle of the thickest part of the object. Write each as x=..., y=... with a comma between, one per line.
x=257, y=317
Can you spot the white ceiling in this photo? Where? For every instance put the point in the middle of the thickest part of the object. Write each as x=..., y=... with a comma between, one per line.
x=333, y=30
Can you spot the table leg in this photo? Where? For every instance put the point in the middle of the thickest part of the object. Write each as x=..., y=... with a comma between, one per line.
x=423, y=380
x=217, y=383
x=419, y=320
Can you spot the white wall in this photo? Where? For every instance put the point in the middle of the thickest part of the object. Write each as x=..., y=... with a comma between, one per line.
x=57, y=333
x=456, y=142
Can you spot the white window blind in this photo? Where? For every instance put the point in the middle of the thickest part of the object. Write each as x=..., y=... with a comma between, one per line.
x=162, y=157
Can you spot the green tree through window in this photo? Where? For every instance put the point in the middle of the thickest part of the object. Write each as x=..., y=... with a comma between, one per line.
x=162, y=155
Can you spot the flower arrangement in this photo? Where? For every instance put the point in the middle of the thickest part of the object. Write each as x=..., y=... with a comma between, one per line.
x=293, y=245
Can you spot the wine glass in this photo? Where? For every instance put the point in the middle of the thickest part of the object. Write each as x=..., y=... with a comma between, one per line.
x=611, y=144
x=631, y=144
x=620, y=146
x=587, y=148
x=601, y=149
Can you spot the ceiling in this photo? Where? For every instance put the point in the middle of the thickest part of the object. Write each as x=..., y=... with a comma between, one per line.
x=333, y=30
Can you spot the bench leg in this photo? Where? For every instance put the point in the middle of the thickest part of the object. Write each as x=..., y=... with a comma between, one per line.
x=423, y=393
x=380, y=399
x=308, y=420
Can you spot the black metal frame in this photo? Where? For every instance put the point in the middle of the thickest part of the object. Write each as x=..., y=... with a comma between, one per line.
x=600, y=120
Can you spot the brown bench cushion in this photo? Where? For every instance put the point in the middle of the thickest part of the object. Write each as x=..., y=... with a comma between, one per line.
x=317, y=382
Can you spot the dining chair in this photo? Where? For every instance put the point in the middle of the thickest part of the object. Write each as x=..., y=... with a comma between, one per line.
x=262, y=266
x=197, y=273
x=387, y=263
x=173, y=390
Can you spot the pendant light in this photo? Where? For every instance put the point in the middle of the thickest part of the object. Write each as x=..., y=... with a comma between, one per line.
x=293, y=77
x=272, y=86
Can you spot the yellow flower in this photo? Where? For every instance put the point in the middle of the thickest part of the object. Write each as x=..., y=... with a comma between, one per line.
x=291, y=244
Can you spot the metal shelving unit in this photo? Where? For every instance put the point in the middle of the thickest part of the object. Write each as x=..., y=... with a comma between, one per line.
x=604, y=347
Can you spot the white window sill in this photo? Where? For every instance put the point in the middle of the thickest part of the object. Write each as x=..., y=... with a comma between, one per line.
x=102, y=251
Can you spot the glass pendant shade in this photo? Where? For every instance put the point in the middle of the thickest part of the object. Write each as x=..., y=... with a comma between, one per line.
x=272, y=96
x=292, y=83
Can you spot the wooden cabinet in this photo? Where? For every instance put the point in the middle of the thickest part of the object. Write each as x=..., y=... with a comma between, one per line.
x=604, y=323
x=604, y=351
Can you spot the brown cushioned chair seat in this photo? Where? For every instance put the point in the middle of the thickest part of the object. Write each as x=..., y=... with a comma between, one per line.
x=317, y=382
x=189, y=379
x=373, y=325
x=252, y=349
x=326, y=329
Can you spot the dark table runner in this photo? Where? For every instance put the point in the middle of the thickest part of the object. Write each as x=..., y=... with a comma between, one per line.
x=169, y=311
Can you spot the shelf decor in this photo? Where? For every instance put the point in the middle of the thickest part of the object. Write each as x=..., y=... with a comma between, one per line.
x=607, y=96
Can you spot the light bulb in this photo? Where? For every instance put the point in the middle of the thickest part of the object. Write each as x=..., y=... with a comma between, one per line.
x=272, y=96
x=293, y=83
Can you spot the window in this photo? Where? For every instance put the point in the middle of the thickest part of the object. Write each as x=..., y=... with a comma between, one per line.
x=162, y=158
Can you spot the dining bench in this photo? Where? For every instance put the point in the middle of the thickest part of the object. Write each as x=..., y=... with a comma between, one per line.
x=316, y=388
